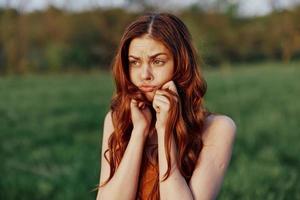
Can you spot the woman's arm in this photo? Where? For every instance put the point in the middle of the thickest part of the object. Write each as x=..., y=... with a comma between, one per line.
x=218, y=139
x=175, y=186
x=211, y=166
x=125, y=179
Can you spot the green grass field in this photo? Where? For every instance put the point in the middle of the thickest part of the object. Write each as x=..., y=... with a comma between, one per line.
x=51, y=128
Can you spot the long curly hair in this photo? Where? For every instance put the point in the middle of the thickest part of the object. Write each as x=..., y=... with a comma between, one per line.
x=186, y=120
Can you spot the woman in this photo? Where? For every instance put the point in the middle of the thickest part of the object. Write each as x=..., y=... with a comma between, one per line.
x=159, y=142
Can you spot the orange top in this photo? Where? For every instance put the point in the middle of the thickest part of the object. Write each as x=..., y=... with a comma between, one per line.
x=148, y=173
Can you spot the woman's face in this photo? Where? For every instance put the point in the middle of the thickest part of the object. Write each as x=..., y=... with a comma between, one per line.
x=150, y=65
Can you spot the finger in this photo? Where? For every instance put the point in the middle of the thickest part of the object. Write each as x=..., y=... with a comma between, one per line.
x=170, y=85
x=162, y=98
x=133, y=101
x=169, y=94
x=155, y=104
x=159, y=104
x=140, y=104
x=143, y=106
x=156, y=108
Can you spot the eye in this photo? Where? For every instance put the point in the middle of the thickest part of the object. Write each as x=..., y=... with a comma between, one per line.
x=158, y=62
x=133, y=63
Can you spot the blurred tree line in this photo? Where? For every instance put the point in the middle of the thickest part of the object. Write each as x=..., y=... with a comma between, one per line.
x=58, y=40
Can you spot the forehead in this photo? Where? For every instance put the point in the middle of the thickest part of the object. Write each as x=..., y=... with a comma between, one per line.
x=145, y=45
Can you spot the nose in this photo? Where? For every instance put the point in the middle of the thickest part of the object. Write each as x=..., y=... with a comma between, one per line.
x=146, y=73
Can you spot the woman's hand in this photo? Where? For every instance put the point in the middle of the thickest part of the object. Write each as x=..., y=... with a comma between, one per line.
x=140, y=116
x=161, y=103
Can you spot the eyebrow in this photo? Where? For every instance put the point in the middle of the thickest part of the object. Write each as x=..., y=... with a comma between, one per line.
x=153, y=56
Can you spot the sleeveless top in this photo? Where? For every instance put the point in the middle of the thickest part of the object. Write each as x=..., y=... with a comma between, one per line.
x=148, y=172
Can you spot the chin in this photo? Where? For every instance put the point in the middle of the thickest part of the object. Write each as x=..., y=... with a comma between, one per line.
x=149, y=96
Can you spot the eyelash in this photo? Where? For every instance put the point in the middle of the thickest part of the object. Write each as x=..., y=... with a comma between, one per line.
x=158, y=62
x=155, y=62
x=133, y=63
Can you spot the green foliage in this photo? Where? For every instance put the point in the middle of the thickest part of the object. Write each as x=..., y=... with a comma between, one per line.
x=56, y=39
x=55, y=54
x=51, y=131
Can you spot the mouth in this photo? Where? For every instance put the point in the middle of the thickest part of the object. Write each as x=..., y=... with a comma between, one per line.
x=147, y=88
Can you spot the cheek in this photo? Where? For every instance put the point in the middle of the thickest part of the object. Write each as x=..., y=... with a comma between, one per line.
x=133, y=76
x=170, y=73
x=166, y=74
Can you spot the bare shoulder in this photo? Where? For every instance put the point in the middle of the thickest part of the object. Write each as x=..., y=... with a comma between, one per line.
x=108, y=125
x=108, y=128
x=218, y=127
x=218, y=139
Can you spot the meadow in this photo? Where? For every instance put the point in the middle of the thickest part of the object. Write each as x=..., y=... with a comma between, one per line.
x=51, y=131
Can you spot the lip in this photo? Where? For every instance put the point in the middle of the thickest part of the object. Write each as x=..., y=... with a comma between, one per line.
x=147, y=88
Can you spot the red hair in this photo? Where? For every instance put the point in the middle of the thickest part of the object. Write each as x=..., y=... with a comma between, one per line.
x=186, y=120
